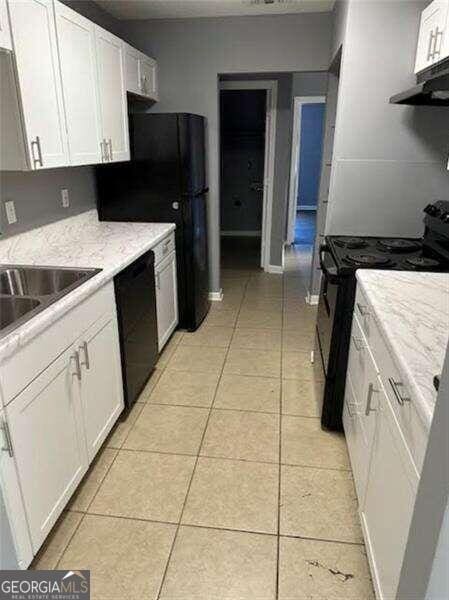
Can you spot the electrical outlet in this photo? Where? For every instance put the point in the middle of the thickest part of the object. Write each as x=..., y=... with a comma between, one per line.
x=10, y=212
x=65, y=200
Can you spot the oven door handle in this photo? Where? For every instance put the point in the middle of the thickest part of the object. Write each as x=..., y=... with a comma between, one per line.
x=331, y=277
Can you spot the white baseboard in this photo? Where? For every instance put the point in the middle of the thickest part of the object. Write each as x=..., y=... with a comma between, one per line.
x=240, y=233
x=312, y=298
x=216, y=296
x=276, y=269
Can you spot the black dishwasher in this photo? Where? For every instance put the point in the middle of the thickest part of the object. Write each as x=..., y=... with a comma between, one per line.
x=135, y=296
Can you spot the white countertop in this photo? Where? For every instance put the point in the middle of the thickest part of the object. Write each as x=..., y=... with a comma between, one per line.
x=81, y=241
x=412, y=311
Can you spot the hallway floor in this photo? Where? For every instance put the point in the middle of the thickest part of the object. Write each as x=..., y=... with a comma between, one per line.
x=220, y=483
x=305, y=227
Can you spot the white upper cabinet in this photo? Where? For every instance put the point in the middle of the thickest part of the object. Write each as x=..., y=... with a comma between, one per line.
x=148, y=69
x=140, y=73
x=132, y=69
x=5, y=33
x=114, y=115
x=76, y=42
x=35, y=50
x=433, y=43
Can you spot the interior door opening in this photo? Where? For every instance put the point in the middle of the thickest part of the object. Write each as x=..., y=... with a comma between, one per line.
x=306, y=165
x=242, y=127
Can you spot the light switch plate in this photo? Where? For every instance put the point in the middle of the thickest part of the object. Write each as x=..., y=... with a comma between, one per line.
x=65, y=200
x=10, y=212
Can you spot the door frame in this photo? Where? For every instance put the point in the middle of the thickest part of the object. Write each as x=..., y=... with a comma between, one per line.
x=271, y=88
x=298, y=103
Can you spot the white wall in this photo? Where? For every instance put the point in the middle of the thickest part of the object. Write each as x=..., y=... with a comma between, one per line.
x=191, y=54
x=389, y=161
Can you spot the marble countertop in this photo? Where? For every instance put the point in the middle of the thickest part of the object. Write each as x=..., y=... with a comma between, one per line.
x=412, y=311
x=80, y=241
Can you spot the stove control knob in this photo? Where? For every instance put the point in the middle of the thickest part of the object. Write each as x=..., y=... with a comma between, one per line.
x=432, y=210
x=445, y=217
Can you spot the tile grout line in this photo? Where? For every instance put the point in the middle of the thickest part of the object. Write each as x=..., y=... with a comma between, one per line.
x=161, y=585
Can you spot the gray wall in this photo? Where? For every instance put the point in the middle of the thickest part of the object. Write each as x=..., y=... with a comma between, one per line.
x=389, y=161
x=309, y=84
x=191, y=54
x=37, y=195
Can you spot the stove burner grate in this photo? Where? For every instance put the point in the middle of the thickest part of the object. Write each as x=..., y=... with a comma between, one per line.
x=371, y=260
x=351, y=242
x=421, y=262
x=398, y=245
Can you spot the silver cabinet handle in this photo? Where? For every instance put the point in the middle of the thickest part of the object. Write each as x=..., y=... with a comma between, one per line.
x=158, y=280
x=438, y=34
x=430, y=51
x=84, y=347
x=363, y=310
x=358, y=343
x=111, y=155
x=104, y=156
x=351, y=404
x=396, y=387
x=37, y=143
x=8, y=447
x=76, y=357
x=369, y=399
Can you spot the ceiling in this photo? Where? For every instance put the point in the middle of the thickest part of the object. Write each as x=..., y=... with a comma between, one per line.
x=181, y=9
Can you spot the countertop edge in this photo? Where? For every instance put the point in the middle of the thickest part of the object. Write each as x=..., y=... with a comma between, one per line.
x=26, y=332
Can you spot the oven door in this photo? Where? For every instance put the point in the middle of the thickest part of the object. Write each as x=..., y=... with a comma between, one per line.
x=326, y=305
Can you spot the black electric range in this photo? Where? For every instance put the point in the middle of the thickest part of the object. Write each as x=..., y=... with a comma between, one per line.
x=340, y=257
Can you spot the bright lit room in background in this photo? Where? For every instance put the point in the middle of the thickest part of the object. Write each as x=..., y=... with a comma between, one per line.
x=224, y=299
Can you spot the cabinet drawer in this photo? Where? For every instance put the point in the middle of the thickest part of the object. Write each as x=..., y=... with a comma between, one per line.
x=360, y=360
x=164, y=248
x=26, y=364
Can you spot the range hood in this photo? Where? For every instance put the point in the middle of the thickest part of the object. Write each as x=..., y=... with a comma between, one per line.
x=433, y=92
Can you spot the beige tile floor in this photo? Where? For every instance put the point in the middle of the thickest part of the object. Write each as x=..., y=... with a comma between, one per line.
x=220, y=483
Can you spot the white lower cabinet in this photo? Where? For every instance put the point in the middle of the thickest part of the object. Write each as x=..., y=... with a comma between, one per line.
x=45, y=424
x=389, y=500
x=60, y=418
x=385, y=474
x=166, y=298
x=12, y=500
x=100, y=383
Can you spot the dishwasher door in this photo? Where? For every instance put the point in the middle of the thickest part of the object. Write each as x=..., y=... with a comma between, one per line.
x=135, y=295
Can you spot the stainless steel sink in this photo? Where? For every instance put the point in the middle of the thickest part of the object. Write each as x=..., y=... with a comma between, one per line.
x=27, y=290
x=32, y=281
x=12, y=309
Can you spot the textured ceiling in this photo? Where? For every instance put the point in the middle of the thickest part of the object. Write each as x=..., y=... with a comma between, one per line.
x=181, y=9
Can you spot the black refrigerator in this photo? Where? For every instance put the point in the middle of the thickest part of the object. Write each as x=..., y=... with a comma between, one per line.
x=165, y=182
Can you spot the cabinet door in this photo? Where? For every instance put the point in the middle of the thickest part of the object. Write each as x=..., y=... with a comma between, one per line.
x=431, y=34
x=76, y=42
x=166, y=299
x=48, y=443
x=101, y=381
x=35, y=50
x=5, y=34
x=389, y=501
x=12, y=500
x=113, y=105
x=148, y=77
x=132, y=71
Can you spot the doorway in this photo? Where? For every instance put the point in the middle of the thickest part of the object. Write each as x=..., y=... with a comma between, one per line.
x=247, y=134
x=306, y=159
